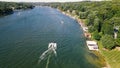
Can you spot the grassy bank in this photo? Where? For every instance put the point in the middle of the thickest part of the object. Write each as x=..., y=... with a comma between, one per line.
x=112, y=57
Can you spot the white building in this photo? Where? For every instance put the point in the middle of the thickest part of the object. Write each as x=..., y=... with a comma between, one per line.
x=92, y=45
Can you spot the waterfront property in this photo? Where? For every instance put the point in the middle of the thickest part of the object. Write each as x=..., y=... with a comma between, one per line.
x=92, y=45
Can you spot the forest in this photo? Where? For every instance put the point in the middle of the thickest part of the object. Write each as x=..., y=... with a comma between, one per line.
x=101, y=18
x=7, y=8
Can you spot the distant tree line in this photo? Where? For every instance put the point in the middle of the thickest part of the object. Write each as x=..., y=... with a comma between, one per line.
x=9, y=7
x=102, y=19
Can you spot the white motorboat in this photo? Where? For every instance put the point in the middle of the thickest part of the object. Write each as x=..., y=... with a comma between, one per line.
x=52, y=45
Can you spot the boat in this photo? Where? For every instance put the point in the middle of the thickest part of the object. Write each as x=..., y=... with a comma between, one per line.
x=52, y=46
x=51, y=50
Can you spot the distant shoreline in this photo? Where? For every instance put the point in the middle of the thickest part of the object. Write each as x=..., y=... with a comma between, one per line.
x=7, y=8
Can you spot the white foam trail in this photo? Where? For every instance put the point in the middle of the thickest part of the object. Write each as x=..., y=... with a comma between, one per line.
x=46, y=54
x=54, y=52
x=43, y=56
x=48, y=60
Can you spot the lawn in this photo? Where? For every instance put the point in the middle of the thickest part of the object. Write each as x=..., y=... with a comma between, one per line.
x=111, y=56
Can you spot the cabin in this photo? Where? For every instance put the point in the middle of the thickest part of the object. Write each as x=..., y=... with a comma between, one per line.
x=92, y=45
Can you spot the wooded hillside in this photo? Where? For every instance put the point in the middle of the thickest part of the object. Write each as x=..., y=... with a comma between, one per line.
x=9, y=7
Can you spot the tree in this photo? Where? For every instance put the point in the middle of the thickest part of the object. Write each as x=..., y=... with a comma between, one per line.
x=97, y=24
x=96, y=35
x=117, y=41
x=83, y=15
x=8, y=7
x=91, y=29
x=102, y=14
x=90, y=19
x=115, y=21
x=108, y=42
x=107, y=28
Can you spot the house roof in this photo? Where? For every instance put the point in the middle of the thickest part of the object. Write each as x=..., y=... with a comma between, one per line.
x=91, y=42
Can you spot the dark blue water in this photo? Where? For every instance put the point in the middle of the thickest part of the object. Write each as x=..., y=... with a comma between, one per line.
x=25, y=35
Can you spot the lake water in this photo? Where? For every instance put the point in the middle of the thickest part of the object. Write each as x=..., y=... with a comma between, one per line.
x=25, y=35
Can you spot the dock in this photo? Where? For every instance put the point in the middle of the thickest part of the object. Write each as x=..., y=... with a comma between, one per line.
x=92, y=45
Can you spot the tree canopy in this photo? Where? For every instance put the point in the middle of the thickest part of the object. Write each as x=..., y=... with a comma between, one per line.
x=102, y=18
x=9, y=7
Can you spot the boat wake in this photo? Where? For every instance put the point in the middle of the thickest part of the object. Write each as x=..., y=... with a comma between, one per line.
x=47, y=54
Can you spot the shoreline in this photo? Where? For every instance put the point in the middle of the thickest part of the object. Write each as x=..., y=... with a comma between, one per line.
x=80, y=22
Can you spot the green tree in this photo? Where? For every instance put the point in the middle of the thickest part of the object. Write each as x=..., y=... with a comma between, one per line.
x=107, y=28
x=96, y=35
x=97, y=24
x=117, y=41
x=91, y=29
x=90, y=19
x=83, y=15
x=108, y=42
x=102, y=14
